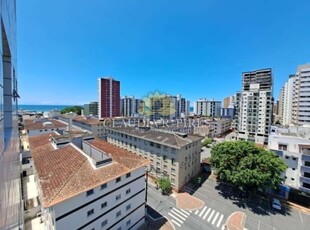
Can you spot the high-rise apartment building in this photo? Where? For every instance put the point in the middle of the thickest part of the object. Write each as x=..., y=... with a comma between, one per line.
x=109, y=97
x=301, y=96
x=228, y=101
x=91, y=108
x=208, y=108
x=130, y=106
x=254, y=106
x=11, y=207
x=167, y=107
x=286, y=98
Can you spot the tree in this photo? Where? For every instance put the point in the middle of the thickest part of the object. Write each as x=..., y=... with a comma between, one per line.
x=246, y=165
x=165, y=185
x=207, y=142
x=74, y=109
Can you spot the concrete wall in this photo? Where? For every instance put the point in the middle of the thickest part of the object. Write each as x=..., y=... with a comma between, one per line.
x=179, y=165
x=79, y=218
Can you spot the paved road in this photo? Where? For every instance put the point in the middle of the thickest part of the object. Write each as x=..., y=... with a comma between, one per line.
x=220, y=203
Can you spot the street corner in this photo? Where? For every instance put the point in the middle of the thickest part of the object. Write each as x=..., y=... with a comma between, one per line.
x=236, y=221
x=188, y=202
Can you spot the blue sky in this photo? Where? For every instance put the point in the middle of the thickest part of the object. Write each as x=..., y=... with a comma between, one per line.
x=195, y=48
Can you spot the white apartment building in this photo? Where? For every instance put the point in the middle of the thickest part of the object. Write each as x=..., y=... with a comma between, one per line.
x=176, y=156
x=208, y=108
x=286, y=101
x=294, y=148
x=254, y=106
x=301, y=101
x=88, y=184
x=130, y=106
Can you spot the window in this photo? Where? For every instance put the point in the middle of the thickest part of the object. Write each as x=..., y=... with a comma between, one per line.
x=118, y=214
x=119, y=196
x=128, y=207
x=103, y=205
x=282, y=147
x=90, y=192
x=128, y=191
x=90, y=212
x=128, y=223
x=118, y=179
x=128, y=175
x=104, y=223
x=103, y=186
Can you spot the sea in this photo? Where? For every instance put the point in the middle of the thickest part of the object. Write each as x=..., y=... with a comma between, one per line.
x=42, y=108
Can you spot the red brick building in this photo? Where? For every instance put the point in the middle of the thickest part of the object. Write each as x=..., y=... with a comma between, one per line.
x=109, y=97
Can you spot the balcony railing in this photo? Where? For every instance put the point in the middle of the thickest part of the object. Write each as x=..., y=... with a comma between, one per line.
x=304, y=179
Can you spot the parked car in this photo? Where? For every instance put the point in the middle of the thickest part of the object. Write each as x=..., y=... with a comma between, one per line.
x=276, y=204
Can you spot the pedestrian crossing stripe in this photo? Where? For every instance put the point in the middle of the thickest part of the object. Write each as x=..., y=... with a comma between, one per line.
x=179, y=216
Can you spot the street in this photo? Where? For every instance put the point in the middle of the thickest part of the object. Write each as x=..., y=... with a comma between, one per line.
x=220, y=202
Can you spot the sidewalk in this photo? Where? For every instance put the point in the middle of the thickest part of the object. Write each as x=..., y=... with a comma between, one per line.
x=188, y=202
x=236, y=221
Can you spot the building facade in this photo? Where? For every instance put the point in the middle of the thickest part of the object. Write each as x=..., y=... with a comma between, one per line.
x=91, y=184
x=228, y=101
x=207, y=108
x=301, y=96
x=286, y=98
x=91, y=109
x=172, y=155
x=109, y=97
x=254, y=106
x=11, y=207
x=130, y=106
x=294, y=148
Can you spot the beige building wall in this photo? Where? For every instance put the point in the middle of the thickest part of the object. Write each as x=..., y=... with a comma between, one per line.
x=178, y=164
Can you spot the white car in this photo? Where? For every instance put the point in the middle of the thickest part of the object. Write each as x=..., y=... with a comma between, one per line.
x=276, y=204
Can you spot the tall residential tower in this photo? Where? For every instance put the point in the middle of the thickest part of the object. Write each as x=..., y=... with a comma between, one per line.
x=254, y=106
x=109, y=97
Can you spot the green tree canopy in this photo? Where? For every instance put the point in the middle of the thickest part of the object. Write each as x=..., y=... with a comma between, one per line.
x=74, y=109
x=246, y=165
x=206, y=142
x=165, y=185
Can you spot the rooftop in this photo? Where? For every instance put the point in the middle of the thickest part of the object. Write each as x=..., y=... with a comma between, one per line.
x=159, y=136
x=66, y=172
x=37, y=124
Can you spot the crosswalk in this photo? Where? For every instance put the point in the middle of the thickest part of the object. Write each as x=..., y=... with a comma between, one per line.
x=178, y=216
x=211, y=216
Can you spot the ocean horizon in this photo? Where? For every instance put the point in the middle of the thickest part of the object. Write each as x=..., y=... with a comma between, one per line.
x=42, y=108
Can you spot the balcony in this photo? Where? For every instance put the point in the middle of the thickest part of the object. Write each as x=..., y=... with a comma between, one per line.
x=303, y=179
x=303, y=189
x=304, y=169
x=305, y=157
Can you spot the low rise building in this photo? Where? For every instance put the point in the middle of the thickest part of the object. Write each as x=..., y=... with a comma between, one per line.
x=172, y=155
x=40, y=126
x=220, y=127
x=87, y=183
x=294, y=148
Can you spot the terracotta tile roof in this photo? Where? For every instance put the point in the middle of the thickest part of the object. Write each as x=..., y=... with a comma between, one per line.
x=122, y=156
x=43, y=124
x=66, y=172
